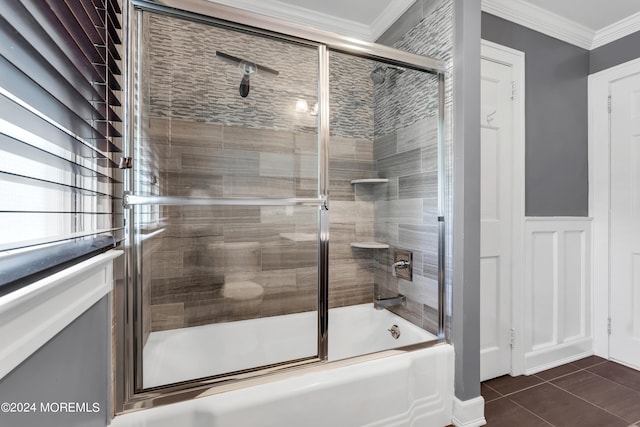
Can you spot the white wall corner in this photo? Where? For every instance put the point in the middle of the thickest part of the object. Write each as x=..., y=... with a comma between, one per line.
x=468, y=413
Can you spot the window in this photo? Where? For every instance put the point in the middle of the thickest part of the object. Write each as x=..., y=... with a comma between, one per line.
x=60, y=135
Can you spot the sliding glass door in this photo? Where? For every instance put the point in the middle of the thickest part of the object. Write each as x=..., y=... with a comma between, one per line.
x=224, y=199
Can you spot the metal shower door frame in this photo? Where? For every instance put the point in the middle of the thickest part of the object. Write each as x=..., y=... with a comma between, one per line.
x=128, y=393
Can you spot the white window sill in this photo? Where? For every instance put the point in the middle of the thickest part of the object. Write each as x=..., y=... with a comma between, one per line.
x=31, y=316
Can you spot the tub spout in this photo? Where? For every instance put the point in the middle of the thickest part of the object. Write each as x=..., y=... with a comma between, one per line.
x=380, y=303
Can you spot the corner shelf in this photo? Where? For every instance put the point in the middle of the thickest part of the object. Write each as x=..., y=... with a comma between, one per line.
x=369, y=245
x=370, y=181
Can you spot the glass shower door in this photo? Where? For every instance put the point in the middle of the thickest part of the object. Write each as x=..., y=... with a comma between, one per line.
x=224, y=201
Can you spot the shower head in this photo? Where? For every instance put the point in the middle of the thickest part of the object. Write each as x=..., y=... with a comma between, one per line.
x=379, y=73
x=247, y=69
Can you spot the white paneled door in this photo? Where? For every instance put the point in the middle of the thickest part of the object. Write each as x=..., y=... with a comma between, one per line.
x=496, y=218
x=624, y=341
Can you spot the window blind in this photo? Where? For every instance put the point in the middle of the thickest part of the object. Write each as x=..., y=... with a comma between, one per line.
x=60, y=135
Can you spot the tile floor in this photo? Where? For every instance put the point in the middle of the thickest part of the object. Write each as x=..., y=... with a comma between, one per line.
x=591, y=392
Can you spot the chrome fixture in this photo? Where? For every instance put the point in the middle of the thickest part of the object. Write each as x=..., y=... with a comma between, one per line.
x=395, y=331
x=402, y=264
x=379, y=73
x=247, y=69
x=380, y=303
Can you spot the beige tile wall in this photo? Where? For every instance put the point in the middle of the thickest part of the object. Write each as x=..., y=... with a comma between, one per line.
x=201, y=249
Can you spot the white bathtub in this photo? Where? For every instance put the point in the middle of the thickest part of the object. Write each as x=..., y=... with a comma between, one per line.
x=201, y=351
x=405, y=389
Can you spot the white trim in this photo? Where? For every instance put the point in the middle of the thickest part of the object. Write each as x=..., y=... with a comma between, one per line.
x=302, y=15
x=324, y=21
x=558, y=266
x=552, y=357
x=617, y=30
x=599, y=185
x=559, y=27
x=516, y=59
x=541, y=20
x=468, y=413
x=31, y=316
x=389, y=15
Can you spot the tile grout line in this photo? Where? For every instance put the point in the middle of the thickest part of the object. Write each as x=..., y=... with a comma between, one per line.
x=578, y=369
x=615, y=382
x=500, y=396
x=531, y=412
x=586, y=401
x=523, y=389
x=633, y=424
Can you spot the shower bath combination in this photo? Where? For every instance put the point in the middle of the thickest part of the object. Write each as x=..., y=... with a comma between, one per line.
x=247, y=69
x=238, y=269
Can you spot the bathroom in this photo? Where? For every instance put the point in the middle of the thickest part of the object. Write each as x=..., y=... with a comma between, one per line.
x=267, y=191
x=275, y=197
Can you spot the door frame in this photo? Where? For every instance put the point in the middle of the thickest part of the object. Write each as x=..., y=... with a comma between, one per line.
x=599, y=193
x=516, y=60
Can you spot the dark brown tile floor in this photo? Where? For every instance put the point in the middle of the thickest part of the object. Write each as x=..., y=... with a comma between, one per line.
x=591, y=392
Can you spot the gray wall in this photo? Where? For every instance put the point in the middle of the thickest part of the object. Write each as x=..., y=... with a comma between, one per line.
x=556, y=175
x=615, y=53
x=72, y=367
x=465, y=322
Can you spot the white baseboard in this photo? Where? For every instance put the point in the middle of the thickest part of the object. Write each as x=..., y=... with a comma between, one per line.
x=554, y=356
x=468, y=413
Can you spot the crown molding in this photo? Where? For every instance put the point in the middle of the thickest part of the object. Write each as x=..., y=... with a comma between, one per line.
x=541, y=20
x=517, y=11
x=389, y=15
x=304, y=16
x=616, y=31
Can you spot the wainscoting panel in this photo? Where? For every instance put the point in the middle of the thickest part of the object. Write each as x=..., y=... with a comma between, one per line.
x=557, y=291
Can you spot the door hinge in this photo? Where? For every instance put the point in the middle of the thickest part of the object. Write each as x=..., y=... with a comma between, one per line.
x=125, y=163
x=609, y=104
x=512, y=338
x=609, y=326
x=513, y=90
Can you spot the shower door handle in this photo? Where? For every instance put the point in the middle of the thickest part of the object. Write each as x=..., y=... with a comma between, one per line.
x=130, y=199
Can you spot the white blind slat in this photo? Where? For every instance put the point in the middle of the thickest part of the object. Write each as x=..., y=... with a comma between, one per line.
x=59, y=103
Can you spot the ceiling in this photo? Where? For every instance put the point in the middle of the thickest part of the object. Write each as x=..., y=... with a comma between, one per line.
x=363, y=19
x=585, y=23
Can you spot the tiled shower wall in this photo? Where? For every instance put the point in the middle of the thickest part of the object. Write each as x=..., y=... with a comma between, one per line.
x=405, y=151
x=203, y=248
x=201, y=139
